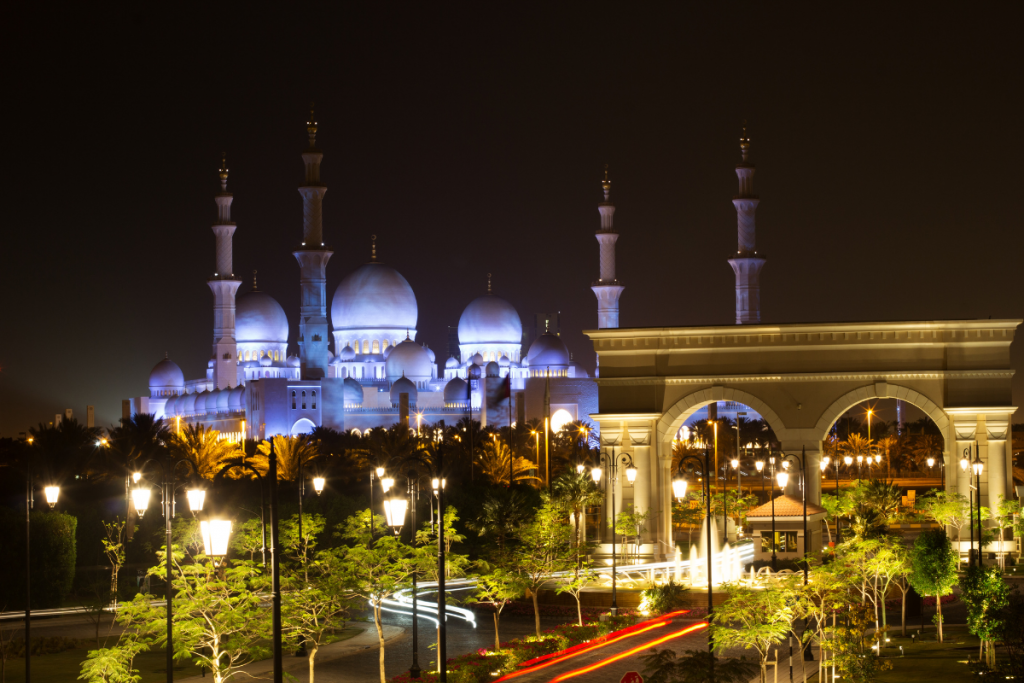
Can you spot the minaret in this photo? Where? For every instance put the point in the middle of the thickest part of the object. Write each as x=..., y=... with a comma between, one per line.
x=224, y=286
x=747, y=265
x=607, y=287
x=312, y=257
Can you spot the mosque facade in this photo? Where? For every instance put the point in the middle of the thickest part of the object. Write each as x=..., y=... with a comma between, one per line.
x=362, y=366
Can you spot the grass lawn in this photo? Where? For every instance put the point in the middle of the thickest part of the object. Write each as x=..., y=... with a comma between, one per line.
x=64, y=667
x=928, y=661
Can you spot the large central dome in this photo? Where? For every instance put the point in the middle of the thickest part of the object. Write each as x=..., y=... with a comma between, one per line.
x=374, y=296
x=490, y=320
x=259, y=318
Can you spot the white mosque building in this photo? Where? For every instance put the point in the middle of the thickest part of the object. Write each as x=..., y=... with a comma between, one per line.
x=378, y=373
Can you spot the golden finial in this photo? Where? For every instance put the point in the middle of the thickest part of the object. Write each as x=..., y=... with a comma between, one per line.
x=489, y=283
x=223, y=172
x=311, y=126
x=606, y=184
x=373, y=247
x=744, y=142
x=254, y=287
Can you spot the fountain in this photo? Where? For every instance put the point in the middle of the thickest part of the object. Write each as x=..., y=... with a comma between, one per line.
x=725, y=560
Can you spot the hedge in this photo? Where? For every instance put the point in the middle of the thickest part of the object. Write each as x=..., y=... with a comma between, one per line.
x=53, y=558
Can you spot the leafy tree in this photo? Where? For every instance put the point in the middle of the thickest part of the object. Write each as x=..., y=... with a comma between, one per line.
x=934, y=568
x=825, y=594
x=631, y=523
x=574, y=582
x=836, y=506
x=498, y=585
x=694, y=666
x=373, y=569
x=113, y=548
x=882, y=496
x=545, y=548
x=248, y=537
x=891, y=566
x=752, y=619
x=689, y=512
x=203, y=447
x=985, y=593
x=117, y=664
x=300, y=546
x=576, y=491
x=455, y=564
x=948, y=509
x=503, y=514
x=846, y=644
x=67, y=450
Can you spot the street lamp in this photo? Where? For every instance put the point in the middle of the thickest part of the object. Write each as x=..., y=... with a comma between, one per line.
x=318, y=484
x=140, y=497
x=613, y=462
x=195, y=497
x=977, y=466
x=215, y=533
x=51, y=492
x=380, y=475
x=679, y=488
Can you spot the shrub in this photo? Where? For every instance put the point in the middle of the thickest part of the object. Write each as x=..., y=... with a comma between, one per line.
x=665, y=598
x=53, y=559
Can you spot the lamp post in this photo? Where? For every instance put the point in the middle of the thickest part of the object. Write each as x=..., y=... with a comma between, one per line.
x=380, y=475
x=679, y=489
x=613, y=462
x=977, y=466
x=783, y=478
x=965, y=462
x=140, y=497
x=51, y=492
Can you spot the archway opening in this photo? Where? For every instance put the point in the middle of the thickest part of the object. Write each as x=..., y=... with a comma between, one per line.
x=303, y=426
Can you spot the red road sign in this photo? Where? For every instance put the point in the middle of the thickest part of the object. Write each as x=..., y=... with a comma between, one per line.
x=632, y=677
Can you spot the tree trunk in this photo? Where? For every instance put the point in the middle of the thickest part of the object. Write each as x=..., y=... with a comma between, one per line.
x=764, y=669
x=312, y=655
x=497, y=638
x=536, y=613
x=903, y=619
x=579, y=609
x=380, y=640
x=938, y=607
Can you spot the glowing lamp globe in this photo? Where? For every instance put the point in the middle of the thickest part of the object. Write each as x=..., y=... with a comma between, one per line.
x=977, y=466
x=595, y=474
x=825, y=461
x=679, y=488
x=931, y=462
x=196, y=497
x=580, y=468
x=783, y=479
x=51, y=493
x=860, y=459
x=380, y=472
x=136, y=476
x=964, y=464
x=216, y=533
x=318, y=484
x=848, y=460
x=140, y=497
x=631, y=474
x=386, y=483
x=759, y=465
x=735, y=463
x=878, y=457
x=394, y=509
x=435, y=484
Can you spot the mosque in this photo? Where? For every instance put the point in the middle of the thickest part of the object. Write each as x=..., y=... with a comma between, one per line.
x=377, y=373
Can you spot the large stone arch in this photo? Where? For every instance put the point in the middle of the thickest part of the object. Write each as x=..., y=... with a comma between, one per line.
x=880, y=390
x=674, y=417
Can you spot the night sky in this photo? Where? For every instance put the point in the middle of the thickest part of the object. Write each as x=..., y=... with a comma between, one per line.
x=470, y=139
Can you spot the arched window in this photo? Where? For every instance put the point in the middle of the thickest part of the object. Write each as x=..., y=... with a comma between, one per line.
x=303, y=400
x=314, y=400
x=293, y=399
x=376, y=346
x=239, y=356
x=394, y=342
x=362, y=372
x=261, y=354
x=276, y=357
x=384, y=346
x=366, y=346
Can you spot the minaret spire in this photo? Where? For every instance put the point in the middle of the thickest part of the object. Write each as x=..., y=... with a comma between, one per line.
x=224, y=285
x=312, y=257
x=747, y=264
x=489, y=291
x=607, y=287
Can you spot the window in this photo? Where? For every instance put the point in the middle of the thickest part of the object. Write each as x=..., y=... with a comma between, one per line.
x=366, y=346
x=376, y=346
x=276, y=357
x=303, y=400
x=314, y=400
x=785, y=542
x=293, y=399
x=261, y=353
x=384, y=346
x=239, y=356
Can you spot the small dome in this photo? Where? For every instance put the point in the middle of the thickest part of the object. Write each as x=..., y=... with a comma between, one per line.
x=578, y=370
x=474, y=372
x=374, y=296
x=353, y=391
x=171, y=407
x=503, y=361
x=347, y=354
x=266, y=361
x=387, y=352
x=547, y=351
x=490, y=319
x=259, y=318
x=514, y=364
x=403, y=385
x=430, y=354
x=188, y=405
x=294, y=362
x=223, y=400
x=477, y=359
x=452, y=363
x=166, y=375
x=492, y=369
x=236, y=400
x=456, y=391
x=408, y=359
x=200, y=404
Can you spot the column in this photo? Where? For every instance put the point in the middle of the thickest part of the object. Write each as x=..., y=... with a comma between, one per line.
x=665, y=500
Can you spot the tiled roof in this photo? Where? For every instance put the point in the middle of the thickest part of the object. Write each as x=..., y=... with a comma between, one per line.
x=786, y=506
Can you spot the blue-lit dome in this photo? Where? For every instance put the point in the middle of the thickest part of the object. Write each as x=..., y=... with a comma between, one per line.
x=353, y=391
x=490, y=319
x=347, y=354
x=408, y=359
x=259, y=318
x=456, y=391
x=403, y=386
x=492, y=369
x=374, y=296
x=165, y=376
x=237, y=399
x=452, y=363
x=548, y=350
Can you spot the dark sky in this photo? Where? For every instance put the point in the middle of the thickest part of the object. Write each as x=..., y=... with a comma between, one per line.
x=470, y=139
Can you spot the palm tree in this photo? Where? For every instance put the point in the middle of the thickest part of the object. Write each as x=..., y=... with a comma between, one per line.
x=290, y=450
x=503, y=513
x=67, y=449
x=494, y=464
x=577, y=492
x=888, y=444
x=136, y=439
x=926, y=446
x=854, y=446
x=204, y=448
